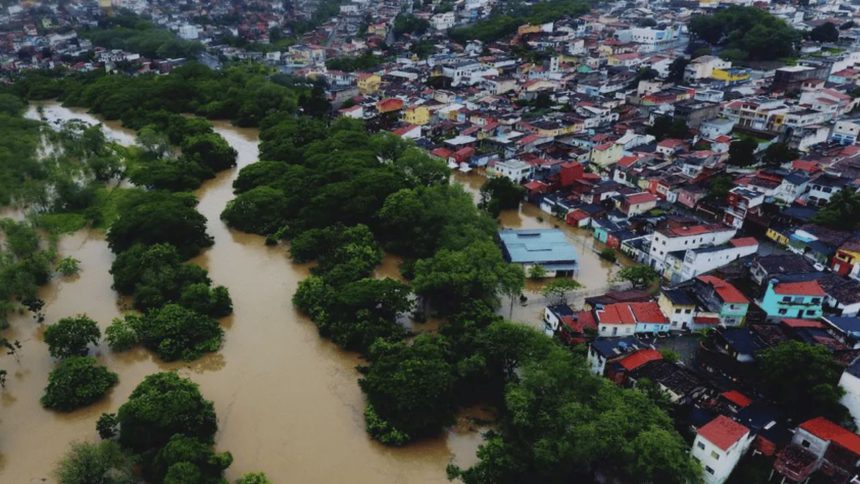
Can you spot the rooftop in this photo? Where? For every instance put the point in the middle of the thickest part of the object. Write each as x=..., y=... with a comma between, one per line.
x=826, y=430
x=723, y=432
x=537, y=246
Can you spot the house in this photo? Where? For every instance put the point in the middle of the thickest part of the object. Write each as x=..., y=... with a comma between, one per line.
x=819, y=445
x=850, y=382
x=678, y=306
x=514, y=170
x=682, y=385
x=682, y=266
x=389, y=105
x=569, y=325
x=546, y=248
x=410, y=131
x=417, y=115
x=847, y=256
x=628, y=318
x=618, y=370
x=603, y=351
x=703, y=67
x=676, y=235
x=368, y=83
x=718, y=446
x=801, y=300
x=721, y=299
x=606, y=154
x=637, y=203
x=766, y=267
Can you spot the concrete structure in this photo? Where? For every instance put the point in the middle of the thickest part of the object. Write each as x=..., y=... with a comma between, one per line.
x=718, y=446
x=626, y=319
x=675, y=237
x=547, y=248
x=850, y=382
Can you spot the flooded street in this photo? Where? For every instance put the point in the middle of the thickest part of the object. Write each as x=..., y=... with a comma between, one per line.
x=595, y=274
x=288, y=402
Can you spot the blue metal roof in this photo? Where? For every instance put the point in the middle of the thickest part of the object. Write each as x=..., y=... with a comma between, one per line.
x=538, y=246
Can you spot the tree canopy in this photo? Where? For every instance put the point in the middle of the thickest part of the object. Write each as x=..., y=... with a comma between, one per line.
x=753, y=32
x=71, y=336
x=76, y=382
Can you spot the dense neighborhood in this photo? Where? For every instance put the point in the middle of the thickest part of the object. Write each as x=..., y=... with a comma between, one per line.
x=720, y=177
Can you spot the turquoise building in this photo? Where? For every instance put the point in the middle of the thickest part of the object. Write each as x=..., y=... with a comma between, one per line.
x=800, y=300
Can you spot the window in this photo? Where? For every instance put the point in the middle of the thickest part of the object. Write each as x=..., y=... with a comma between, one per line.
x=715, y=456
x=786, y=299
x=816, y=300
x=783, y=311
x=810, y=312
x=710, y=471
x=688, y=311
x=677, y=310
x=805, y=443
x=700, y=445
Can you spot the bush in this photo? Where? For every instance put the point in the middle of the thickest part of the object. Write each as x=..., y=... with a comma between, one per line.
x=76, y=382
x=102, y=462
x=121, y=335
x=608, y=254
x=69, y=266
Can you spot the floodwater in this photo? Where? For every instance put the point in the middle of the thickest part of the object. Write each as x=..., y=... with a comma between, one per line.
x=287, y=401
x=595, y=274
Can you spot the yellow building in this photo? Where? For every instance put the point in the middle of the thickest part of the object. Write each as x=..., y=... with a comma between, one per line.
x=368, y=83
x=417, y=115
x=730, y=75
x=606, y=154
x=777, y=237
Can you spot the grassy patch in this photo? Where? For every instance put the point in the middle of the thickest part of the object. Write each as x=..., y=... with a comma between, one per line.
x=61, y=223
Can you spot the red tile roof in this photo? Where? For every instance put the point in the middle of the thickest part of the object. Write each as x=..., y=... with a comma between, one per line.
x=639, y=358
x=737, y=398
x=802, y=323
x=803, y=288
x=643, y=197
x=727, y=292
x=631, y=313
x=723, y=432
x=706, y=320
x=826, y=430
x=583, y=320
x=744, y=242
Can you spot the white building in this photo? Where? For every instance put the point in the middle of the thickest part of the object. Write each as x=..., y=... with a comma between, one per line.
x=514, y=170
x=443, y=21
x=703, y=67
x=189, y=32
x=718, y=447
x=694, y=262
x=850, y=382
x=683, y=237
x=845, y=131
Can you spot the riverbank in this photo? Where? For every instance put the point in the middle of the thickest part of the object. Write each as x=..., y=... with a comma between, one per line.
x=288, y=401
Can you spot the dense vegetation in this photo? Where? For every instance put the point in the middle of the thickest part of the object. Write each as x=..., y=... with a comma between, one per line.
x=362, y=62
x=746, y=33
x=133, y=34
x=25, y=264
x=342, y=196
x=169, y=428
x=505, y=21
x=72, y=336
x=76, y=382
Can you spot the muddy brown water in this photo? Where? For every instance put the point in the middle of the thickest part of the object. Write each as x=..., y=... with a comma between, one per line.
x=287, y=401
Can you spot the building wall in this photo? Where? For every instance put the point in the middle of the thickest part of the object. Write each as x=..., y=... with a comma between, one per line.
x=851, y=399
x=718, y=464
x=680, y=316
x=776, y=305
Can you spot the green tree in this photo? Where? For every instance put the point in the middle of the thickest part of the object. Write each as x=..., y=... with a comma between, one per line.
x=175, y=332
x=537, y=272
x=500, y=193
x=157, y=217
x=260, y=210
x=755, y=32
x=254, y=478
x=841, y=212
x=826, y=32
x=411, y=386
x=676, y=70
x=779, y=154
x=121, y=335
x=557, y=289
x=162, y=406
x=76, y=382
x=71, y=336
x=185, y=449
x=742, y=152
x=68, y=266
x=639, y=275
x=720, y=186
x=100, y=463
x=803, y=378
x=210, y=150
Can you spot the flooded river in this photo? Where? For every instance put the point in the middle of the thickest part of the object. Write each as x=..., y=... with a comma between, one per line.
x=288, y=402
